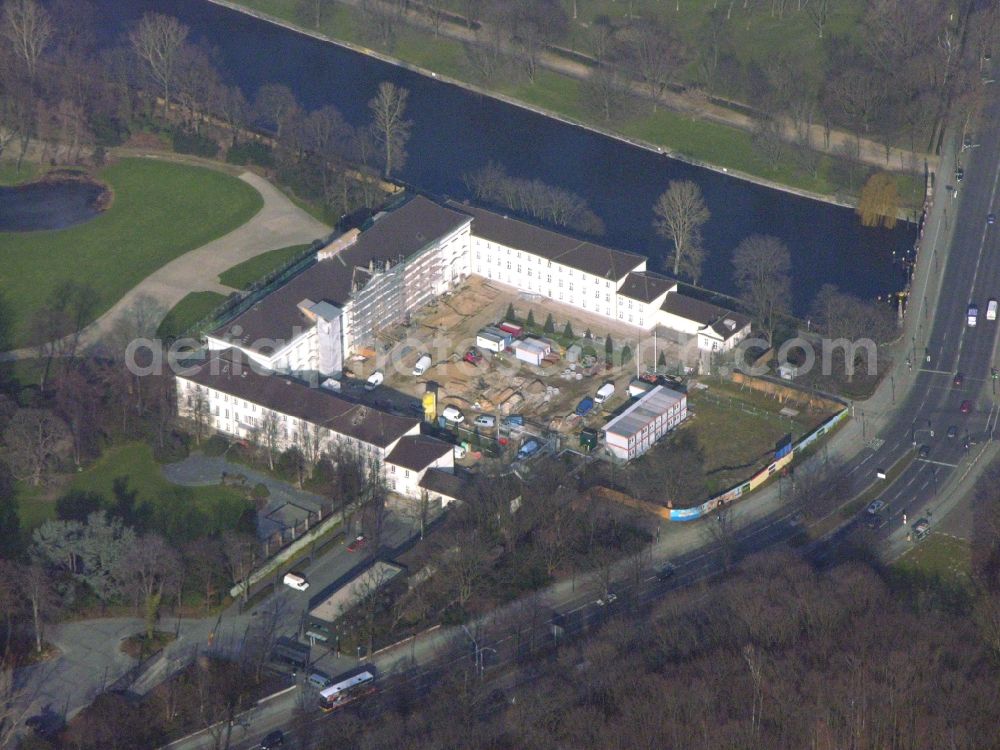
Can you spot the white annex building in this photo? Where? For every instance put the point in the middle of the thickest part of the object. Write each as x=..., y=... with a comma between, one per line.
x=367, y=281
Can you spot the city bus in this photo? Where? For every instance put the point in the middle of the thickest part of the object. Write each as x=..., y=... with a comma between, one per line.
x=345, y=691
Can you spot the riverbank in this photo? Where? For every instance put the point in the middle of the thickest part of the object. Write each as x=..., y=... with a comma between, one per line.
x=702, y=134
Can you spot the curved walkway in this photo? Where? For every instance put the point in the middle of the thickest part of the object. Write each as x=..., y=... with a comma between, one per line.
x=279, y=223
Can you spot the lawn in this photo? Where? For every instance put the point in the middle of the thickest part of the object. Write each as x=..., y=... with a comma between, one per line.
x=755, y=38
x=249, y=271
x=9, y=174
x=939, y=555
x=738, y=431
x=220, y=507
x=161, y=210
x=187, y=312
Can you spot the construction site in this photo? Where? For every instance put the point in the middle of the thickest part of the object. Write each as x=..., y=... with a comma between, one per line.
x=478, y=381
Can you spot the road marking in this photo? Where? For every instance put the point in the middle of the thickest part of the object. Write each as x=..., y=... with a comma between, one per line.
x=936, y=372
x=938, y=463
x=876, y=443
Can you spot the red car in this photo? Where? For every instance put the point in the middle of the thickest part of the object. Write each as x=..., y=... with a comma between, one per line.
x=473, y=355
x=358, y=543
x=966, y=407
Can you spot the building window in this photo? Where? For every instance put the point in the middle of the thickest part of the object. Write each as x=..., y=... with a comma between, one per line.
x=519, y=268
x=406, y=474
x=392, y=468
x=607, y=297
x=597, y=294
x=508, y=265
x=571, y=287
x=548, y=278
x=620, y=315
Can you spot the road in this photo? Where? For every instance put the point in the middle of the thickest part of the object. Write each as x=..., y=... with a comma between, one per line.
x=914, y=434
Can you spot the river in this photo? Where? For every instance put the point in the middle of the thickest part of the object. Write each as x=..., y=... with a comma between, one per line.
x=455, y=131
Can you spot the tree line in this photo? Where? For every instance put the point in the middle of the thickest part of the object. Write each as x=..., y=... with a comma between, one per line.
x=61, y=88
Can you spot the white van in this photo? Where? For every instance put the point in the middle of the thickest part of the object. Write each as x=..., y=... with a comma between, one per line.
x=604, y=393
x=422, y=365
x=296, y=581
x=991, y=310
x=374, y=380
x=453, y=415
x=972, y=315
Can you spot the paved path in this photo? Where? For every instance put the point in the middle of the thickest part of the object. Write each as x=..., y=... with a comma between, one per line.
x=279, y=223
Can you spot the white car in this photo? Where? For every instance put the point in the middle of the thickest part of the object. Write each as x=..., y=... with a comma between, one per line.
x=296, y=581
x=485, y=420
x=453, y=415
x=374, y=380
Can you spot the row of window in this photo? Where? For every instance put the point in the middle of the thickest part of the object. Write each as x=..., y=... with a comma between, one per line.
x=532, y=258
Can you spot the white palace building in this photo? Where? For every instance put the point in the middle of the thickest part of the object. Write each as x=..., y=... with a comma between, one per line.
x=367, y=281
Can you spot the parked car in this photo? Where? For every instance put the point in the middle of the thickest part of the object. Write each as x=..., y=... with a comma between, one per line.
x=921, y=528
x=952, y=431
x=453, y=415
x=609, y=598
x=528, y=449
x=459, y=452
x=514, y=420
x=374, y=380
x=485, y=420
x=295, y=581
x=359, y=542
x=876, y=506
x=273, y=740
x=959, y=379
x=473, y=355
x=959, y=174
x=966, y=407
x=991, y=219
x=605, y=392
x=925, y=451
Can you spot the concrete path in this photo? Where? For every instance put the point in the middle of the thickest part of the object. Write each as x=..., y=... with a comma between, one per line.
x=279, y=223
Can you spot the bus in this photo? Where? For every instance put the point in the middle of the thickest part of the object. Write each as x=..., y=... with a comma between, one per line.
x=345, y=691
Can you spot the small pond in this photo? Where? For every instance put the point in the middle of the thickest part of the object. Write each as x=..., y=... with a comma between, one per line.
x=49, y=204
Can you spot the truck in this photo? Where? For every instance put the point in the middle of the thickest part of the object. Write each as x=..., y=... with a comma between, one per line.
x=583, y=408
x=422, y=365
x=604, y=393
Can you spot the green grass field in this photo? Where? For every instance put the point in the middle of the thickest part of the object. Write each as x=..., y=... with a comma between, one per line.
x=221, y=506
x=190, y=511
x=161, y=210
x=249, y=271
x=939, y=555
x=187, y=312
x=10, y=175
x=755, y=37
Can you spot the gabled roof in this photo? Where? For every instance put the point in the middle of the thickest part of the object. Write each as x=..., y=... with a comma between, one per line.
x=398, y=234
x=229, y=372
x=730, y=324
x=417, y=452
x=646, y=287
x=445, y=483
x=559, y=248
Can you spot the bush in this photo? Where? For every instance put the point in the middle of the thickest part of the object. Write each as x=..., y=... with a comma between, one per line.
x=530, y=322
x=189, y=142
x=588, y=351
x=109, y=131
x=176, y=447
x=251, y=153
x=215, y=446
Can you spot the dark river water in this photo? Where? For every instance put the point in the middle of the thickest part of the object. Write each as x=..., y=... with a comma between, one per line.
x=47, y=205
x=455, y=131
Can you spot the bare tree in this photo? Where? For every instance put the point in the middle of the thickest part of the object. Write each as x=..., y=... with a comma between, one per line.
x=270, y=435
x=606, y=92
x=241, y=558
x=28, y=28
x=273, y=106
x=36, y=586
x=680, y=213
x=233, y=108
x=157, y=41
x=761, y=265
x=146, y=572
x=390, y=127
x=652, y=55
x=36, y=439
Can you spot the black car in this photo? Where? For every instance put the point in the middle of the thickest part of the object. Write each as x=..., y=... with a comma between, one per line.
x=273, y=740
x=959, y=174
x=666, y=572
x=875, y=521
x=925, y=451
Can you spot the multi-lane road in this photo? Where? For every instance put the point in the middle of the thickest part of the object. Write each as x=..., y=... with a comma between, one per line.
x=929, y=428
